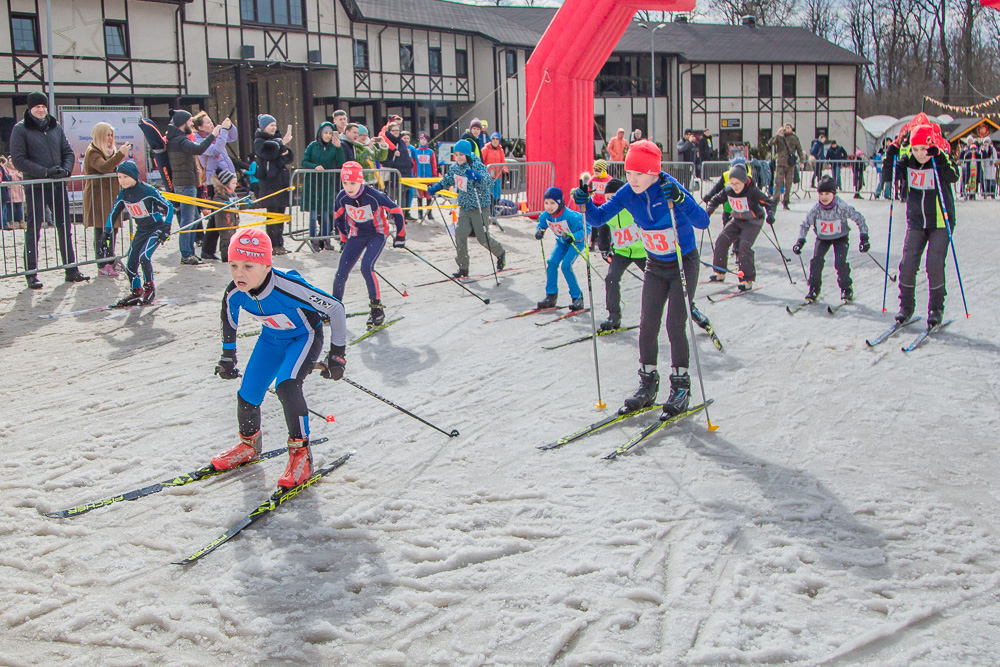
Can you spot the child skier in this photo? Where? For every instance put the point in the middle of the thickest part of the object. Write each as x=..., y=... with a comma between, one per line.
x=290, y=343
x=152, y=215
x=472, y=181
x=829, y=219
x=621, y=245
x=224, y=183
x=921, y=166
x=362, y=218
x=427, y=167
x=571, y=232
x=750, y=207
x=648, y=197
x=598, y=186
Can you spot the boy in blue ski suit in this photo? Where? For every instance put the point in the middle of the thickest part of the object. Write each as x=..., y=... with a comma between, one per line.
x=571, y=232
x=427, y=167
x=648, y=196
x=291, y=312
x=152, y=215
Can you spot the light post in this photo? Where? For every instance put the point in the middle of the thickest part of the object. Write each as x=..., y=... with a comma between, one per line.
x=652, y=78
x=51, y=74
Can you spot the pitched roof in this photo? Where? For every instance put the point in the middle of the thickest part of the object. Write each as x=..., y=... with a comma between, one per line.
x=693, y=42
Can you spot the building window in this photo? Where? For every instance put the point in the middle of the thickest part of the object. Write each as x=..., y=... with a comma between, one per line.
x=360, y=54
x=462, y=64
x=639, y=123
x=434, y=60
x=822, y=85
x=765, y=86
x=275, y=12
x=788, y=86
x=406, y=58
x=822, y=131
x=698, y=85
x=510, y=63
x=599, y=127
x=764, y=136
x=115, y=39
x=24, y=34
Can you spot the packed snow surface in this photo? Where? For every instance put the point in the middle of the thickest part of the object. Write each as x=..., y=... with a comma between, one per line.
x=846, y=512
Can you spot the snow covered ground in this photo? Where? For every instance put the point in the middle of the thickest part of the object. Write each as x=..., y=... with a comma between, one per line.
x=845, y=513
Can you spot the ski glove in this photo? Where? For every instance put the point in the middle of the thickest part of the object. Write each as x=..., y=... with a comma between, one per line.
x=400, y=241
x=107, y=238
x=710, y=210
x=797, y=248
x=226, y=368
x=473, y=176
x=539, y=233
x=580, y=196
x=606, y=255
x=671, y=190
x=433, y=188
x=865, y=245
x=770, y=219
x=335, y=363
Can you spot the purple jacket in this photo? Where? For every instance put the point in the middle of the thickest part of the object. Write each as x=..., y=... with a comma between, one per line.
x=216, y=156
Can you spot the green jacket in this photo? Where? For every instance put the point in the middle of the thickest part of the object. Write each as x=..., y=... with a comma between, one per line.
x=369, y=159
x=320, y=190
x=617, y=234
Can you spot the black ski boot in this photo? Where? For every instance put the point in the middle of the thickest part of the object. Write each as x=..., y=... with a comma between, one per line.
x=134, y=298
x=377, y=317
x=813, y=294
x=461, y=273
x=548, y=302
x=700, y=318
x=847, y=294
x=904, y=315
x=148, y=293
x=934, y=317
x=613, y=322
x=576, y=304
x=680, y=395
x=717, y=277
x=649, y=385
x=502, y=261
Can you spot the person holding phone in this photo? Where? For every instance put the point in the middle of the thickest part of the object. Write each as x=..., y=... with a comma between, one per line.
x=273, y=156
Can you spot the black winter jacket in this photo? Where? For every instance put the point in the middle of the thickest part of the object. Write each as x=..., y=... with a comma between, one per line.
x=272, y=171
x=922, y=189
x=34, y=150
x=751, y=205
x=181, y=152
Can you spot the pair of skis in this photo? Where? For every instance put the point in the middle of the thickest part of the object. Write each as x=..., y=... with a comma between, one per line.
x=791, y=310
x=374, y=330
x=921, y=337
x=715, y=298
x=102, y=309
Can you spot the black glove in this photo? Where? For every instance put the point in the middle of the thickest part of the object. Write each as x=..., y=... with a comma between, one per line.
x=61, y=173
x=671, y=191
x=797, y=248
x=52, y=172
x=539, y=233
x=580, y=196
x=606, y=255
x=226, y=368
x=865, y=245
x=710, y=210
x=933, y=151
x=770, y=219
x=335, y=363
x=400, y=241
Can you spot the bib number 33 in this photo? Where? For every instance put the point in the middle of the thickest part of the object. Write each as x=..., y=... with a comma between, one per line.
x=660, y=241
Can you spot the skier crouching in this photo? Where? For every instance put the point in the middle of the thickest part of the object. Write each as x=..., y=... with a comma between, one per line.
x=290, y=343
x=570, y=232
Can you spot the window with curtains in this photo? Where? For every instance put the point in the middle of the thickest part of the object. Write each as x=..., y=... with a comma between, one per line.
x=274, y=12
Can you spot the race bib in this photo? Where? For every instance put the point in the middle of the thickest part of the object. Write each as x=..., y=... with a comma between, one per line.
x=624, y=237
x=660, y=241
x=279, y=321
x=739, y=204
x=358, y=213
x=559, y=227
x=461, y=183
x=599, y=188
x=922, y=179
x=137, y=210
x=831, y=227
x=424, y=159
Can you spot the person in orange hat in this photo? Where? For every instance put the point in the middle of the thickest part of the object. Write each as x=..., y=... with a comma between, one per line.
x=291, y=312
x=617, y=146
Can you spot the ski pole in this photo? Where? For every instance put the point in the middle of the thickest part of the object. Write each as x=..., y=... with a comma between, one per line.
x=872, y=258
x=444, y=221
x=780, y=252
x=717, y=268
x=221, y=208
x=544, y=261
x=711, y=243
x=803, y=265
x=687, y=312
x=888, y=243
x=951, y=241
x=450, y=278
x=586, y=258
x=600, y=405
x=326, y=418
x=486, y=228
x=454, y=433
x=403, y=293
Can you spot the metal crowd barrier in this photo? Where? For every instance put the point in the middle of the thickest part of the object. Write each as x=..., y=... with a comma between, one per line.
x=314, y=198
x=519, y=187
x=39, y=218
x=684, y=172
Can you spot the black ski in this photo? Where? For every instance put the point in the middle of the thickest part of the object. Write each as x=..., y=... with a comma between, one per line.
x=833, y=309
x=597, y=426
x=885, y=335
x=791, y=310
x=924, y=334
x=581, y=339
x=180, y=480
x=277, y=498
x=653, y=428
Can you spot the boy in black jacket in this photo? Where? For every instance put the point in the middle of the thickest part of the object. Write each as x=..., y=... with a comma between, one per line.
x=750, y=207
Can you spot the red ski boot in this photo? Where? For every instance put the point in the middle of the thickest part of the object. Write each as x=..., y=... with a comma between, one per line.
x=299, y=468
x=247, y=450
x=148, y=293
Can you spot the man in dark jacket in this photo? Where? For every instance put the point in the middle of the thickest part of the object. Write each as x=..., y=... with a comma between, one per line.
x=835, y=152
x=182, y=153
x=40, y=150
x=705, y=147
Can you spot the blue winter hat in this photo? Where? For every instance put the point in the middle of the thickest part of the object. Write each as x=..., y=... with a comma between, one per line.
x=264, y=120
x=129, y=168
x=739, y=159
x=556, y=195
x=464, y=147
x=495, y=135
x=362, y=130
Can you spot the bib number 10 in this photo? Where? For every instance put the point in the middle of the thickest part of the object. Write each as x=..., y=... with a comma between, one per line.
x=660, y=241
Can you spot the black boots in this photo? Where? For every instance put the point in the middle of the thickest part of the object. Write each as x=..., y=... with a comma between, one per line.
x=847, y=294
x=934, y=317
x=813, y=294
x=576, y=304
x=904, y=315
x=548, y=302
x=613, y=322
x=649, y=384
x=134, y=298
x=680, y=395
x=377, y=317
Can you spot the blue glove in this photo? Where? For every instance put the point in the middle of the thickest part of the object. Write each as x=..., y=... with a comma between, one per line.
x=580, y=197
x=671, y=190
x=473, y=175
x=433, y=188
x=539, y=233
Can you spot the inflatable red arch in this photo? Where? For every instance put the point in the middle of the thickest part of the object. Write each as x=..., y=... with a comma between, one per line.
x=559, y=81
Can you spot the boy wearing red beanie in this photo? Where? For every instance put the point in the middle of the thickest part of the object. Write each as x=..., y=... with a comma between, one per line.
x=648, y=196
x=290, y=311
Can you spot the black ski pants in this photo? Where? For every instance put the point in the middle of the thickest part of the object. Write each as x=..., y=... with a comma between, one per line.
x=936, y=242
x=743, y=233
x=613, y=283
x=840, y=248
x=661, y=288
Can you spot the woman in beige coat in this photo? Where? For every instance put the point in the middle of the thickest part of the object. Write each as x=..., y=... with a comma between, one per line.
x=99, y=194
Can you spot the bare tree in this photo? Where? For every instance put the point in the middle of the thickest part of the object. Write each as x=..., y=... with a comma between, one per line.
x=820, y=18
x=767, y=12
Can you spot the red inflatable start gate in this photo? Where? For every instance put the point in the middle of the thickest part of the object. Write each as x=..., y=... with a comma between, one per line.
x=560, y=76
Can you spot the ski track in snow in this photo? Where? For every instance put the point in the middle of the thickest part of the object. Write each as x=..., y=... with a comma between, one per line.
x=845, y=512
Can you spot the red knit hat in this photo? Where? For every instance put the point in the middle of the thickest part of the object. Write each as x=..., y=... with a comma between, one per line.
x=925, y=135
x=351, y=172
x=643, y=156
x=250, y=245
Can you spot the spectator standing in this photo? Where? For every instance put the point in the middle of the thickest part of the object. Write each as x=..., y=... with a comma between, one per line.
x=493, y=153
x=14, y=192
x=837, y=155
x=182, y=154
x=617, y=146
x=399, y=157
x=687, y=148
x=101, y=159
x=706, y=148
x=636, y=136
x=6, y=213
x=988, y=156
x=786, y=149
x=474, y=135
x=40, y=150
x=320, y=191
x=410, y=192
x=859, y=173
x=818, y=152
x=273, y=156
x=216, y=158
x=426, y=168
x=340, y=122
